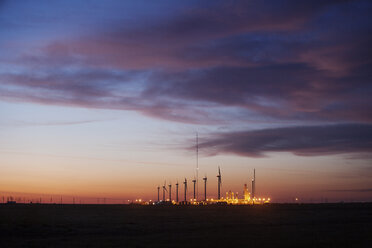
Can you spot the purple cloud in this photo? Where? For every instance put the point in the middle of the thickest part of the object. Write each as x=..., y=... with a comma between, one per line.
x=300, y=140
x=281, y=60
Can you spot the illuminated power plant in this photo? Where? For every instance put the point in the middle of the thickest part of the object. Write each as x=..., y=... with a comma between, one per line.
x=231, y=198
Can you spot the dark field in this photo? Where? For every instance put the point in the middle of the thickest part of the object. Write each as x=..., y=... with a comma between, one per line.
x=312, y=225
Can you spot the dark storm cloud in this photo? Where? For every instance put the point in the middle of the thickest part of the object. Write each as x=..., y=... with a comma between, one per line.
x=303, y=141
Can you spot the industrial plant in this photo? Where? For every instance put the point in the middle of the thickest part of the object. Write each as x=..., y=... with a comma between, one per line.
x=231, y=198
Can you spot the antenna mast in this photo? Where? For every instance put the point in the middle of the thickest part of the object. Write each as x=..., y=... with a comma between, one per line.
x=197, y=166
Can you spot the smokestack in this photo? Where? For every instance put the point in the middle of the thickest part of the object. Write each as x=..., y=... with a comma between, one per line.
x=170, y=192
x=219, y=183
x=252, y=188
x=185, y=183
x=254, y=183
x=205, y=188
x=245, y=192
x=164, y=189
x=158, y=193
x=163, y=193
x=254, y=179
x=194, y=181
x=177, y=191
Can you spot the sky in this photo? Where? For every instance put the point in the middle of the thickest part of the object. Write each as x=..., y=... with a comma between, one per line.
x=103, y=99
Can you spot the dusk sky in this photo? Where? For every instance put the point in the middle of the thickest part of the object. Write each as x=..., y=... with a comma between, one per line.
x=104, y=98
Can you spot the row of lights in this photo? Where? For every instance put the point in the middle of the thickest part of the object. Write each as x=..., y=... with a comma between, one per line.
x=194, y=200
x=263, y=199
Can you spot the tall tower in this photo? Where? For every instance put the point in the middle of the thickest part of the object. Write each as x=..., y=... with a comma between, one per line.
x=252, y=188
x=197, y=167
x=185, y=183
x=205, y=188
x=219, y=183
x=194, y=181
x=254, y=183
x=164, y=189
x=170, y=192
x=177, y=191
x=158, y=193
x=246, y=195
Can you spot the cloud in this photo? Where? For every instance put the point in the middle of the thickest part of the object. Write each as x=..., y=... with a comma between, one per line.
x=293, y=91
x=187, y=39
x=16, y=123
x=104, y=89
x=268, y=60
x=300, y=140
x=351, y=190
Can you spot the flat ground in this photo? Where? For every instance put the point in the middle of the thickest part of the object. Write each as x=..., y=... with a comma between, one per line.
x=276, y=225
